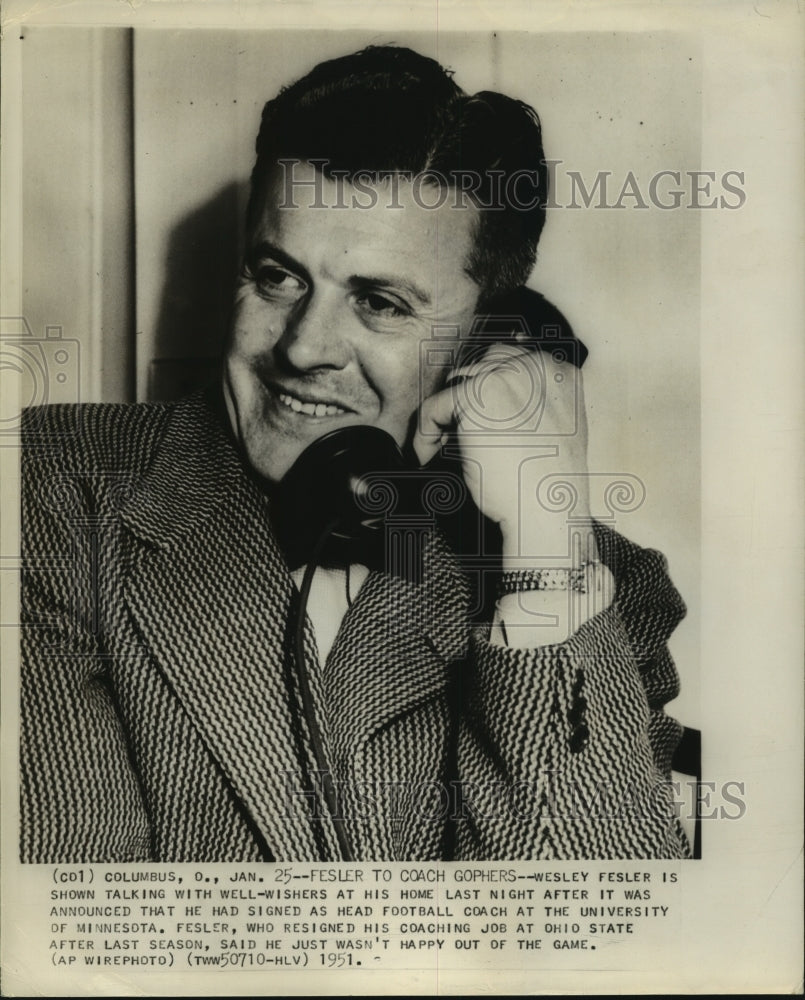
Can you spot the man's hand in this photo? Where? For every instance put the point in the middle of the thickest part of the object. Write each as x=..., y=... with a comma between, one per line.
x=518, y=415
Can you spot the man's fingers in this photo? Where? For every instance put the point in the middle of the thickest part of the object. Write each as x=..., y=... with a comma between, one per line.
x=439, y=413
x=497, y=356
x=436, y=417
x=506, y=388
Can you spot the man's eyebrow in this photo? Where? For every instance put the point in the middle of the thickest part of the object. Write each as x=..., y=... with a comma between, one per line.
x=390, y=281
x=267, y=249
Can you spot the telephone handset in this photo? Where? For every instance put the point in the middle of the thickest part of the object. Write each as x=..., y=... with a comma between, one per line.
x=322, y=492
x=321, y=496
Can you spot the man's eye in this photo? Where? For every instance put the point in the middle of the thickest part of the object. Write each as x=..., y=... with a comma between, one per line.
x=381, y=305
x=276, y=282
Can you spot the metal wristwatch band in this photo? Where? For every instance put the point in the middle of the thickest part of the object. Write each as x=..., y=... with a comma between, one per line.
x=547, y=578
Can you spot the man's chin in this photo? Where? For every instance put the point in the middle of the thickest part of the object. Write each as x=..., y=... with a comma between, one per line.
x=272, y=465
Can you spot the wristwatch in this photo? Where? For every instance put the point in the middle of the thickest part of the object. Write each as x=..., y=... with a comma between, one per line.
x=548, y=578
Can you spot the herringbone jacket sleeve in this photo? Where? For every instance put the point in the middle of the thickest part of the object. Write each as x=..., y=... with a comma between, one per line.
x=80, y=797
x=564, y=752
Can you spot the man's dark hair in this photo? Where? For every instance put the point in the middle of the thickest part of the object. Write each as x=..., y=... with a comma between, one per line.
x=388, y=110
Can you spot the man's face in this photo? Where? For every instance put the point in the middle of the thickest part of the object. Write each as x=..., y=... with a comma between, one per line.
x=330, y=311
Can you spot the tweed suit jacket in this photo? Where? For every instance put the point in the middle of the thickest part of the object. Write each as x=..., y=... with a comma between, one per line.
x=160, y=718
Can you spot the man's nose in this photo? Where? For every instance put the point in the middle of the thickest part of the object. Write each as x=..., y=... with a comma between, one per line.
x=312, y=338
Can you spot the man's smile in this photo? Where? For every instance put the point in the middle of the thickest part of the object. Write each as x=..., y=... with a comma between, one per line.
x=307, y=404
x=310, y=409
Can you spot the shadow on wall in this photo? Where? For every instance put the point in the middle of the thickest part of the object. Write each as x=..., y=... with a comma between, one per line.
x=201, y=266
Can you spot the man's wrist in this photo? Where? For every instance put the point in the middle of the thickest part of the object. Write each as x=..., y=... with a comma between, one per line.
x=534, y=618
x=549, y=540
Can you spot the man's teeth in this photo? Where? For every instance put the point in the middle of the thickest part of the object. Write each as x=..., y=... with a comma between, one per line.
x=310, y=409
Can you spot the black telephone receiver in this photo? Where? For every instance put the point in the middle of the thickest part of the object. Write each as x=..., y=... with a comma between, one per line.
x=321, y=495
x=326, y=489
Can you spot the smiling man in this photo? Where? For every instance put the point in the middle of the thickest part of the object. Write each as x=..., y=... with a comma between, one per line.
x=178, y=703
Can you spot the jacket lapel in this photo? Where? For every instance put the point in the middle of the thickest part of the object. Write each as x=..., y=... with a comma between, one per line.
x=212, y=596
x=397, y=647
